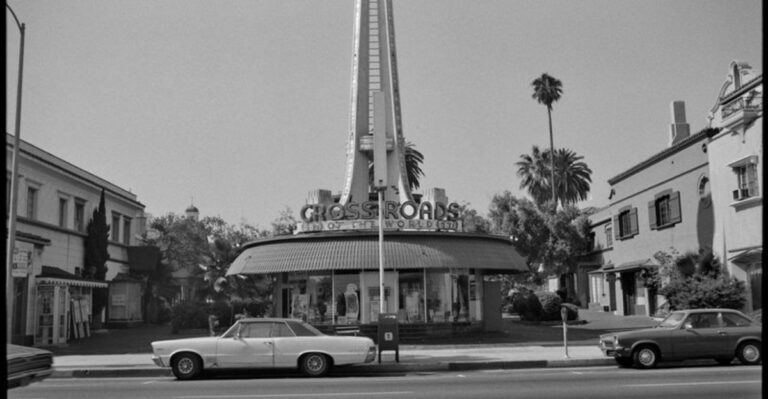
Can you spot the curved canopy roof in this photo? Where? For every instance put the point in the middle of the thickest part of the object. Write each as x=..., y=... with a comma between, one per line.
x=360, y=250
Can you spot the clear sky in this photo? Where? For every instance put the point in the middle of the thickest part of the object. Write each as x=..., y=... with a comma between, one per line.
x=243, y=105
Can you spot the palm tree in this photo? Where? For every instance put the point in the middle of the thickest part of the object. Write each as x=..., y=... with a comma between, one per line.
x=573, y=176
x=533, y=171
x=413, y=161
x=547, y=90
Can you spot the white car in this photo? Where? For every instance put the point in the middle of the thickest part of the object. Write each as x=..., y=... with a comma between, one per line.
x=263, y=343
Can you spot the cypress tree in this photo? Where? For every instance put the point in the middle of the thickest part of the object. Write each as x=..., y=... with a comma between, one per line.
x=96, y=254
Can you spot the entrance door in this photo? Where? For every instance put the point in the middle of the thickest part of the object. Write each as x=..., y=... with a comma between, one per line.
x=628, y=293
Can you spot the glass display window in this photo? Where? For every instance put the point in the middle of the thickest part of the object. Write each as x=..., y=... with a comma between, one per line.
x=346, y=298
x=411, y=291
x=320, y=299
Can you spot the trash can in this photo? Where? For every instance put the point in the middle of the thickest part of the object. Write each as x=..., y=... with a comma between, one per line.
x=389, y=336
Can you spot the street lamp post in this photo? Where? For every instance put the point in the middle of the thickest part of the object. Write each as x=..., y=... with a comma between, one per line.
x=14, y=189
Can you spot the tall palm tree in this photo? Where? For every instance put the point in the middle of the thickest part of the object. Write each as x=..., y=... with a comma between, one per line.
x=573, y=176
x=547, y=90
x=413, y=161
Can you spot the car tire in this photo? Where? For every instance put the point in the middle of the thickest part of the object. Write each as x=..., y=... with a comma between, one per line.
x=624, y=361
x=315, y=364
x=645, y=357
x=186, y=366
x=750, y=352
x=724, y=360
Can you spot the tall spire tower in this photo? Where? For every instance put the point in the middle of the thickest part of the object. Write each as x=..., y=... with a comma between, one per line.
x=374, y=74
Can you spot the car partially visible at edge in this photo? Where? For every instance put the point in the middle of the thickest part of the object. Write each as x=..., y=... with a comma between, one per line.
x=26, y=365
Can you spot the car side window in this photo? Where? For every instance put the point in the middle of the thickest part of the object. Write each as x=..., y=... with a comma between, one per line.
x=703, y=320
x=281, y=330
x=256, y=330
x=734, y=320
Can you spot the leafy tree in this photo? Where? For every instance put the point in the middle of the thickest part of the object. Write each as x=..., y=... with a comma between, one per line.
x=552, y=240
x=471, y=221
x=573, y=176
x=547, y=90
x=285, y=224
x=696, y=280
x=97, y=255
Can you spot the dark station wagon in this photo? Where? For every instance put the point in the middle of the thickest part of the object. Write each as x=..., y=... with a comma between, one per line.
x=719, y=334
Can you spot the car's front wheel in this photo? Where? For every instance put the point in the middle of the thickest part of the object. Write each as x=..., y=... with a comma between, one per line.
x=315, y=364
x=749, y=352
x=646, y=357
x=186, y=366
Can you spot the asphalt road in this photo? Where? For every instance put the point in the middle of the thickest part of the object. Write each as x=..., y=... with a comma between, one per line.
x=595, y=382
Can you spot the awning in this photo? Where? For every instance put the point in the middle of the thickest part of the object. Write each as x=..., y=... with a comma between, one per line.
x=747, y=256
x=634, y=265
x=360, y=251
x=607, y=268
x=56, y=276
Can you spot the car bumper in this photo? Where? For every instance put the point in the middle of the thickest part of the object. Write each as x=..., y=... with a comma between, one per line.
x=371, y=355
x=158, y=361
x=616, y=352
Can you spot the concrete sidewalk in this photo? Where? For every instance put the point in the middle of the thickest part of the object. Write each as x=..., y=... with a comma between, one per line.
x=519, y=354
x=412, y=358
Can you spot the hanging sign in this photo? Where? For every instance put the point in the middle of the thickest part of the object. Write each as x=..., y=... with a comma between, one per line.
x=20, y=267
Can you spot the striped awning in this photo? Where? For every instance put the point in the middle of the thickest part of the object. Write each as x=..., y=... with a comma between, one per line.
x=360, y=251
x=634, y=265
x=56, y=276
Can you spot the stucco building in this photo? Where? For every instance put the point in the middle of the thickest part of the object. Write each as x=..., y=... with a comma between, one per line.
x=736, y=166
x=52, y=301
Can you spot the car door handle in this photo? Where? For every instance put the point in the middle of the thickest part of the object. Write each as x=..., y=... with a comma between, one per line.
x=722, y=333
x=268, y=343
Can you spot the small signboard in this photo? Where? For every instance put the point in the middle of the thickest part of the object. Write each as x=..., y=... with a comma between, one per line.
x=20, y=266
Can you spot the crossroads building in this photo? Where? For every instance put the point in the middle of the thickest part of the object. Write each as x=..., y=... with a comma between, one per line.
x=328, y=272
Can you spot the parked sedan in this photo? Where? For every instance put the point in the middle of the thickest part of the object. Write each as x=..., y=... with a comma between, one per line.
x=26, y=365
x=263, y=343
x=720, y=334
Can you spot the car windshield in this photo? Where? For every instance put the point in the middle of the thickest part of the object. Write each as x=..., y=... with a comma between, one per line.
x=672, y=321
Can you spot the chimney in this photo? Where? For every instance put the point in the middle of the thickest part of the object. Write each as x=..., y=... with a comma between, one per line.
x=679, y=129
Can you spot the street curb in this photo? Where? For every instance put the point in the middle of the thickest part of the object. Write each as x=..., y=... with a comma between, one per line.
x=366, y=369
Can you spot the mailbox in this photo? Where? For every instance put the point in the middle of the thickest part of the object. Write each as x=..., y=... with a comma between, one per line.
x=389, y=336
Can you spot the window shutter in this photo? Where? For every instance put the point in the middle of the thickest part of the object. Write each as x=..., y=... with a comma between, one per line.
x=675, y=215
x=752, y=179
x=633, y=228
x=616, y=228
x=652, y=214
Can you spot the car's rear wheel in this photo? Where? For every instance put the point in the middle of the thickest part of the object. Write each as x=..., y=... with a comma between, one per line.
x=624, y=361
x=724, y=360
x=315, y=364
x=749, y=352
x=186, y=366
x=646, y=357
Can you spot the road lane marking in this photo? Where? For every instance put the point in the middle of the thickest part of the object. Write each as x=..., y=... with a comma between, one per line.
x=677, y=384
x=291, y=395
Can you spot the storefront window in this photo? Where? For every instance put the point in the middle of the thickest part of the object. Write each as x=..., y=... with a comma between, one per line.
x=448, y=295
x=411, y=297
x=320, y=298
x=299, y=300
x=346, y=294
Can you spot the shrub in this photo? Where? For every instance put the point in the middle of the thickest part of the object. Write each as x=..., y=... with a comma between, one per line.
x=704, y=291
x=188, y=314
x=527, y=305
x=550, y=305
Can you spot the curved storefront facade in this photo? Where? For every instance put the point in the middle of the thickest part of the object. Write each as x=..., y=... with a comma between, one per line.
x=333, y=278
